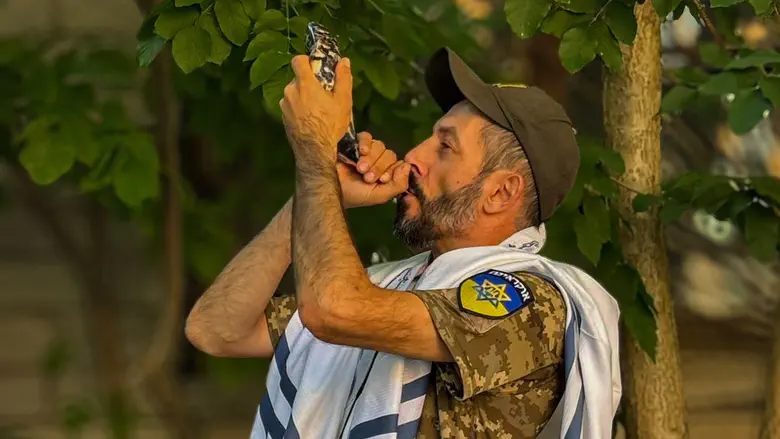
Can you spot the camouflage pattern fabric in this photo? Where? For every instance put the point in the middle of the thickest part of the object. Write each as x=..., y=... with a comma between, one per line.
x=507, y=377
x=278, y=314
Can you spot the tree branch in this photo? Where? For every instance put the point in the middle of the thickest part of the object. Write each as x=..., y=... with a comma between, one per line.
x=707, y=22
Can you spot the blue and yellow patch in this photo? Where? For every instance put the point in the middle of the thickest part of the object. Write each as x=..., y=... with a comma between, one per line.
x=493, y=294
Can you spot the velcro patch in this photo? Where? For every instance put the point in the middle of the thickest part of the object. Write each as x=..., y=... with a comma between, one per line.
x=493, y=294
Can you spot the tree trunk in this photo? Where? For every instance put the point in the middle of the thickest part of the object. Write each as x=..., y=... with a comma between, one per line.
x=771, y=424
x=653, y=392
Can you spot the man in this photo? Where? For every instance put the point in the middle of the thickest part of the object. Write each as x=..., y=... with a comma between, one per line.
x=496, y=166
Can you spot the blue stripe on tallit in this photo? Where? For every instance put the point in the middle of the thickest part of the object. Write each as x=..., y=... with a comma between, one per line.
x=570, y=345
x=271, y=423
x=408, y=430
x=286, y=385
x=375, y=427
x=292, y=431
x=415, y=389
x=575, y=428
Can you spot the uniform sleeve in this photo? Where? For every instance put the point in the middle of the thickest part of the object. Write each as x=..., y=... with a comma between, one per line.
x=491, y=349
x=278, y=314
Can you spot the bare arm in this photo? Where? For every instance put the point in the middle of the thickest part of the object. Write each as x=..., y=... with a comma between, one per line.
x=336, y=300
x=229, y=319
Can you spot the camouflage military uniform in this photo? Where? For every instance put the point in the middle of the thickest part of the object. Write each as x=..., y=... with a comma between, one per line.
x=507, y=377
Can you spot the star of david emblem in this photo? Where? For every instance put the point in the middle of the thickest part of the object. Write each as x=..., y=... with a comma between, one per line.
x=493, y=293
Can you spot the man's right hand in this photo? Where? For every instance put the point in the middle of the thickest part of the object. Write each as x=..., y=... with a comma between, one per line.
x=378, y=178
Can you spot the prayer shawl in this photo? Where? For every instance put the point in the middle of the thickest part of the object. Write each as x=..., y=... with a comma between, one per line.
x=320, y=390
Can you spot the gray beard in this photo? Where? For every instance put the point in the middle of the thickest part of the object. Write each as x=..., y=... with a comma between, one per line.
x=446, y=216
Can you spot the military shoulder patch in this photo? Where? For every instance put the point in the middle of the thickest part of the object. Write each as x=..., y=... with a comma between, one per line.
x=493, y=294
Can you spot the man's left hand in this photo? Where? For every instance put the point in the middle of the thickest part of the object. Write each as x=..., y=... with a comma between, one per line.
x=316, y=119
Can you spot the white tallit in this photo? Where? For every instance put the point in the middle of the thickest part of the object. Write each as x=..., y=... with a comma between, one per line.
x=320, y=390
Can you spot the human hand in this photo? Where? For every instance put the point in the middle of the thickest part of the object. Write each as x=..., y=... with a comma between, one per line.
x=314, y=118
x=378, y=177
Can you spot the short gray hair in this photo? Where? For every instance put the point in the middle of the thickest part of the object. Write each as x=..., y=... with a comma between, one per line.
x=503, y=151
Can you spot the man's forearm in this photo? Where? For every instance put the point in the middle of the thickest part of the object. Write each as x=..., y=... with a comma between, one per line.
x=324, y=255
x=229, y=319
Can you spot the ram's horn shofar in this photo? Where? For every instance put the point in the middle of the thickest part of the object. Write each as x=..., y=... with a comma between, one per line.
x=324, y=54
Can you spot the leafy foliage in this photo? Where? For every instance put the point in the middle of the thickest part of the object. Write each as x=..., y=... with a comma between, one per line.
x=748, y=79
x=589, y=218
x=60, y=130
x=752, y=204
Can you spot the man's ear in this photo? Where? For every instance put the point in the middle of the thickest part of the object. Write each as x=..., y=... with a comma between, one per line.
x=504, y=189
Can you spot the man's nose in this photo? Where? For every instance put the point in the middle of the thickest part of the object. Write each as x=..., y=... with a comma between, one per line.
x=413, y=157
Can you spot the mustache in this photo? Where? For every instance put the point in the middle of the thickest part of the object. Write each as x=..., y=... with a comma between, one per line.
x=414, y=187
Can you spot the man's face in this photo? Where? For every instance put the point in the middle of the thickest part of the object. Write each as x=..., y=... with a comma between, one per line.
x=444, y=188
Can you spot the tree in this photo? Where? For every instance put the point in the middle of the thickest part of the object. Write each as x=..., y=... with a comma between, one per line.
x=626, y=36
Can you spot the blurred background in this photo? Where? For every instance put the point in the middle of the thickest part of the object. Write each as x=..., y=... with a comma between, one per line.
x=104, y=251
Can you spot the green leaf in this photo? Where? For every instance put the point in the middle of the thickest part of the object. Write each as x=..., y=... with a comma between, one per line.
x=254, y=8
x=169, y=23
x=76, y=130
x=299, y=25
x=768, y=187
x=180, y=3
x=271, y=19
x=147, y=50
x=299, y=46
x=691, y=75
x=645, y=202
x=136, y=177
x=266, y=41
x=676, y=98
x=761, y=6
x=584, y=6
x=640, y=321
x=597, y=214
x=761, y=232
x=576, y=49
x=401, y=38
x=233, y=21
x=99, y=176
x=587, y=241
x=612, y=160
x=608, y=47
x=383, y=76
x=524, y=16
x=141, y=147
x=220, y=47
x=679, y=11
x=755, y=59
x=605, y=186
x=672, y=210
x=721, y=84
x=770, y=88
x=265, y=65
x=191, y=48
x=664, y=7
x=562, y=20
x=620, y=19
x=45, y=156
x=273, y=89
x=734, y=205
x=747, y=109
x=724, y=3
x=714, y=55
